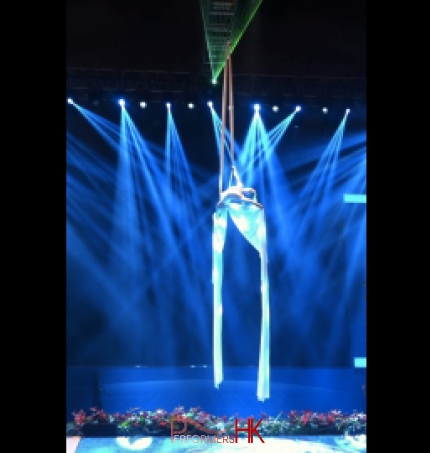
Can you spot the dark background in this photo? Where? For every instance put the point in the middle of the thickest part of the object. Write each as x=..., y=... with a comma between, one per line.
x=288, y=37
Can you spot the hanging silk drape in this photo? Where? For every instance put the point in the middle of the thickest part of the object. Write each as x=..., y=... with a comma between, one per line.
x=250, y=221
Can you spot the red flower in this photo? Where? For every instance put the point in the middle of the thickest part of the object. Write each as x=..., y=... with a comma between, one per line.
x=79, y=417
x=306, y=416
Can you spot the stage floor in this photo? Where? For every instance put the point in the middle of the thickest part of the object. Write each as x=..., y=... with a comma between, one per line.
x=302, y=444
x=122, y=388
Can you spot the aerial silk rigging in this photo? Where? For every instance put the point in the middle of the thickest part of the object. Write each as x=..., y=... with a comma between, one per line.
x=247, y=214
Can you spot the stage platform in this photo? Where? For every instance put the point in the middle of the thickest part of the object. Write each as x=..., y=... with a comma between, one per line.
x=119, y=389
x=303, y=444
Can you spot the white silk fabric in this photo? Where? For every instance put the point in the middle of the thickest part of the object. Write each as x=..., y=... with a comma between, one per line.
x=250, y=221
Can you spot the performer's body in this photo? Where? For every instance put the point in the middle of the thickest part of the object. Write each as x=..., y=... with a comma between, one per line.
x=236, y=194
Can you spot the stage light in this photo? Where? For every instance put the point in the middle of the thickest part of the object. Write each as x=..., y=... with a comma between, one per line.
x=70, y=100
x=138, y=444
x=360, y=362
x=121, y=102
x=190, y=105
x=168, y=105
x=354, y=198
x=214, y=81
x=142, y=104
x=275, y=108
x=324, y=109
x=256, y=107
x=298, y=108
x=347, y=111
x=210, y=104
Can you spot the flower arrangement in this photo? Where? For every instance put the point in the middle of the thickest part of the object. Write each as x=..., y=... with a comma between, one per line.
x=161, y=423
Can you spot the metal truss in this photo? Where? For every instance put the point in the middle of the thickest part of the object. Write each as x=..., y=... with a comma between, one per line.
x=108, y=82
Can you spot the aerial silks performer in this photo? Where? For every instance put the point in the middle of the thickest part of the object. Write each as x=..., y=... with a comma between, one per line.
x=248, y=216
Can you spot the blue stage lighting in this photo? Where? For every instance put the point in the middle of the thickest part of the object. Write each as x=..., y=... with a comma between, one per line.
x=210, y=105
x=121, y=102
x=298, y=108
x=70, y=100
x=256, y=107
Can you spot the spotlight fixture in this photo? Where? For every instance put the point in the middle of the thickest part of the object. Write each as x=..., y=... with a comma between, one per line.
x=168, y=105
x=324, y=109
x=121, y=102
x=214, y=81
x=298, y=108
x=347, y=111
x=275, y=108
x=257, y=107
x=70, y=101
x=190, y=105
x=210, y=105
x=142, y=104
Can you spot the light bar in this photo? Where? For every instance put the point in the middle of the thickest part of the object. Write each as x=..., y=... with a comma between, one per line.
x=354, y=198
x=360, y=362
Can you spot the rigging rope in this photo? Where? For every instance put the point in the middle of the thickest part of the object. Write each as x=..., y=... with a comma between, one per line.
x=248, y=216
x=227, y=88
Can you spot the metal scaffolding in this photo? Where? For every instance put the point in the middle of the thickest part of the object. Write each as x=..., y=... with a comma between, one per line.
x=107, y=83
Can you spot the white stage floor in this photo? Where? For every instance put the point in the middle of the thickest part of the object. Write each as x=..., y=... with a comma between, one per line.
x=300, y=444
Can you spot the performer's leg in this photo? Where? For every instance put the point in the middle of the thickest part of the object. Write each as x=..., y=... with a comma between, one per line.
x=256, y=203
